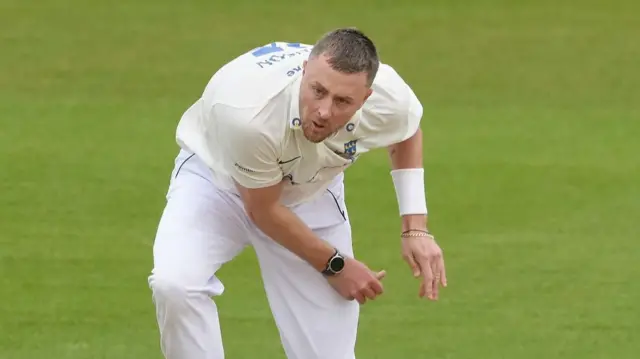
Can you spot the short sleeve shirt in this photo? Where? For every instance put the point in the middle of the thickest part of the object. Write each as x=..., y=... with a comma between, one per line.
x=246, y=125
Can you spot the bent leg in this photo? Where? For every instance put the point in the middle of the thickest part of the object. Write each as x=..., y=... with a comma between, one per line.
x=313, y=320
x=198, y=232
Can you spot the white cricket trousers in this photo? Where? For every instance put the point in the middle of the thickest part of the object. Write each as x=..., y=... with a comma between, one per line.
x=202, y=228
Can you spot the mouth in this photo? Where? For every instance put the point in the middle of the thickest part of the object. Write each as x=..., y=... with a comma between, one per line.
x=318, y=125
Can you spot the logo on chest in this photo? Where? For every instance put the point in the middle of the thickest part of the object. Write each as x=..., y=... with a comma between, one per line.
x=350, y=148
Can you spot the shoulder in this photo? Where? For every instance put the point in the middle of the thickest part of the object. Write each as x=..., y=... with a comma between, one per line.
x=392, y=113
x=258, y=75
x=261, y=127
x=392, y=95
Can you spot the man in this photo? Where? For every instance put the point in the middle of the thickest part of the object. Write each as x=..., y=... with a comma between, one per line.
x=262, y=161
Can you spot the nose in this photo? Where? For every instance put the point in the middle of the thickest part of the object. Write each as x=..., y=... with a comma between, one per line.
x=324, y=110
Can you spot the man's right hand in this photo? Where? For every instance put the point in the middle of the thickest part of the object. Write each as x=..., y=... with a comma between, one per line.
x=263, y=207
x=357, y=281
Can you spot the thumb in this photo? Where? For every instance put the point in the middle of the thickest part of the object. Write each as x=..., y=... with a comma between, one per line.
x=381, y=274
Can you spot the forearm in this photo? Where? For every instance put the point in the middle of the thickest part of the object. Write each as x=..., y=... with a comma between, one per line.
x=283, y=226
x=408, y=155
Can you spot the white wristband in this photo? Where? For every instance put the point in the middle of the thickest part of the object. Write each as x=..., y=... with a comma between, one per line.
x=410, y=193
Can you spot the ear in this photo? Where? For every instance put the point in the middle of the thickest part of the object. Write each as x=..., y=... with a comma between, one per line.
x=304, y=66
x=369, y=92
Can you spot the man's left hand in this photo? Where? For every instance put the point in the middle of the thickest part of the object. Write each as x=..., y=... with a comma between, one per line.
x=425, y=258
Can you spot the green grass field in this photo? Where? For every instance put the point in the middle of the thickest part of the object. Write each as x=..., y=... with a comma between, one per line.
x=532, y=120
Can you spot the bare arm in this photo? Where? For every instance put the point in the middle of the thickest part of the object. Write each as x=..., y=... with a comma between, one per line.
x=283, y=226
x=404, y=144
x=408, y=154
x=252, y=161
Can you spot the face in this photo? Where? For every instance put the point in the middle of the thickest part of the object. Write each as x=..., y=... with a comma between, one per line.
x=328, y=98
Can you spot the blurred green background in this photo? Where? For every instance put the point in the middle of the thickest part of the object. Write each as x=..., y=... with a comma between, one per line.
x=532, y=119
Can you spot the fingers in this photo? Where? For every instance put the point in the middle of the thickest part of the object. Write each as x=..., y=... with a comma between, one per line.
x=359, y=297
x=443, y=278
x=439, y=276
x=431, y=263
x=375, y=286
x=423, y=290
x=368, y=293
x=415, y=268
x=427, y=278
x=365, y=293
x=371, y=290
x=436, y=270
x=358, y=282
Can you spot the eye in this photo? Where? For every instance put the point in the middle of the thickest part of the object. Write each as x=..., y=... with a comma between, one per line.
x=341, y=101
x=318, y=92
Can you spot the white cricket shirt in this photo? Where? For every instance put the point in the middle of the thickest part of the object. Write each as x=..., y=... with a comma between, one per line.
x=246, y=125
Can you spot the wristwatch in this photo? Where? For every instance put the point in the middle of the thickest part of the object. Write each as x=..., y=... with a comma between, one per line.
x=335, y=264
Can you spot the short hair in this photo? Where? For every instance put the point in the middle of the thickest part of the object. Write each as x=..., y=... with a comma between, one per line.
x=349, y=51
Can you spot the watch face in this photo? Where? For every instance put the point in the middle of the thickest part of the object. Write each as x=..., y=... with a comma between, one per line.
x=337, y=263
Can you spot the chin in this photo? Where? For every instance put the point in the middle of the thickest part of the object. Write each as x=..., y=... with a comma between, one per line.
x=314, y=139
